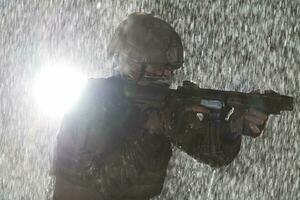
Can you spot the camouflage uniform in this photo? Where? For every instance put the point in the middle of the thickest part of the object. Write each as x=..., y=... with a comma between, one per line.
x=108, y=147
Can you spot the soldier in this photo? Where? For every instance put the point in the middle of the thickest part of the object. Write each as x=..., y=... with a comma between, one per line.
x=111, y=147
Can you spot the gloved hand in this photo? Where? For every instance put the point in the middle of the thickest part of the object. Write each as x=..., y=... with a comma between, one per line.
x=250, y=122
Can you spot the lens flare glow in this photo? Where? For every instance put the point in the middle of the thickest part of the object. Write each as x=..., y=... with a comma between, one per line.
x=57, y=87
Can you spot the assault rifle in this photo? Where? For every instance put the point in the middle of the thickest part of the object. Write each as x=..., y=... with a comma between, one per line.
x=216, y=100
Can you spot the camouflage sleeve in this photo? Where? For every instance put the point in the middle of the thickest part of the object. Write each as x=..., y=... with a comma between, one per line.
x=103, y=152
x=205, y=140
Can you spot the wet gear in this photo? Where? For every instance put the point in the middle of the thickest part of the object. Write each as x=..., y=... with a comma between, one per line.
x=110, y=147
x=143, y=40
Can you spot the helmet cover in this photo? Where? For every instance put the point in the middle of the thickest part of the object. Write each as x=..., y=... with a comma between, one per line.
x=147, y=40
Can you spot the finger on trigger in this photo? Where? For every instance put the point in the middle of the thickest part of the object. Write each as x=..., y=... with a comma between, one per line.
x=257, y=113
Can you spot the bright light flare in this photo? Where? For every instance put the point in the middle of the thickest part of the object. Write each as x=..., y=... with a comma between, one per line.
x=57, y=87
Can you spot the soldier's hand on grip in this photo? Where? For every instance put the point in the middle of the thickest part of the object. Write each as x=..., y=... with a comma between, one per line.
x=255, y=121
x=250, y=122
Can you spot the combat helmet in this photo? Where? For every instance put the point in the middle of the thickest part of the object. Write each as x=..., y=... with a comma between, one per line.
x=143, y=40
